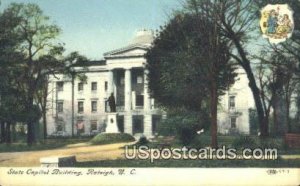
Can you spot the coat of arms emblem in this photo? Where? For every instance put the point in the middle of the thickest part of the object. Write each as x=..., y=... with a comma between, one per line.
x=277, y=22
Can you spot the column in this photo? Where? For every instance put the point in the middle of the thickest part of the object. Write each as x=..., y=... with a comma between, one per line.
x=148, y=125
x=110, y=82
x=133, y=100
x=147, y=100
x=127, y=90
x=128, y=123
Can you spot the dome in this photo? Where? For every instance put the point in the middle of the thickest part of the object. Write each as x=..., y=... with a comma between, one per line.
x=143, y=37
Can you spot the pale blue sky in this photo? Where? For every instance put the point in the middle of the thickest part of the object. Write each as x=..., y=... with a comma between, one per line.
x=93, y=27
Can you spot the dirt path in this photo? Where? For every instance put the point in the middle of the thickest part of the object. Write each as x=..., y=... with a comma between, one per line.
x=82, y=151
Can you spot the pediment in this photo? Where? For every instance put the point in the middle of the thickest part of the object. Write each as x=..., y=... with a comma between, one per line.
x=134, y=50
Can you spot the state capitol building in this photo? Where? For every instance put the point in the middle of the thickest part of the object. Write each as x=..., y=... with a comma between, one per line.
x=80, y=107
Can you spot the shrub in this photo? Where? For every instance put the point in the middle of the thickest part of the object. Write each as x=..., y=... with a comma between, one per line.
x=271, y=143
x=244, y=142
x=256, y=142
x=167, y=127
x=108, y=138
x=186, y=134
x=183, y=125
x=143, y=141
x=253, y=121
x=175, y=121
x=201, y=141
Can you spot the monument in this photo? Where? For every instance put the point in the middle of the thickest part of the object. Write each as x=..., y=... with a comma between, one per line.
x=112, y=122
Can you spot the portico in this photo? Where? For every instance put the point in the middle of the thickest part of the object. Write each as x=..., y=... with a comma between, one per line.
x=128, y=81
x=130, y=88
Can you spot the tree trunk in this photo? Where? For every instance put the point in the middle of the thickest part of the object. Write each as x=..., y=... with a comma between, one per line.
x=275, y=115
x=30, y=123
x=245, y=63
x=45, y=124
x=14, y=133
x=2, y=131
x=73, y=123
x=287, y=96
x=282, y=119
x=276, y=110
x=288, y=121
x=213, y=111
x=44, y=108
x=265, y=127
x=8, y=133
x=256, y=95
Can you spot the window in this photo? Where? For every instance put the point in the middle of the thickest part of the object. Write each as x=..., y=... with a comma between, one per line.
x=139, y=79
x=233, y=122
x=80, y=107
x=105, y=85
x=80, y=86
x=60, y=86
x=139, y=100
x=137, y=124
x=94, y=86
x=120, y=123
x=80, y=126
x=231, y=102
x=60, y=106
x=94, y=106
x=60, y=125
x=155, y=122
x=93, y=125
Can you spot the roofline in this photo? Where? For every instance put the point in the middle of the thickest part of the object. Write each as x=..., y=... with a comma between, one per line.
x=129, y=47
x=128, y=56
x=101, y=62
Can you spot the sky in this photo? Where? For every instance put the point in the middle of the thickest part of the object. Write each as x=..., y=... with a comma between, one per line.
x=93, y=27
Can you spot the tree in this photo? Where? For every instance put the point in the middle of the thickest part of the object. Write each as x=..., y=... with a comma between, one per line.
x=289, y=54
x=189, y=65
x=30, y=53
x=270, y=73
x=40, y=54
x=72, y=60
x=10, y=95
x=237, y=23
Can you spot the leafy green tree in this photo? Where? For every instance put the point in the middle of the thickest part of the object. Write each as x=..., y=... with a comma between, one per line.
x=238, y=23
x=276, y=75
x=189, y=65
x=29, y=54
x=10, y=95
x=72, y=60
x=40, y=53
x=288, y=67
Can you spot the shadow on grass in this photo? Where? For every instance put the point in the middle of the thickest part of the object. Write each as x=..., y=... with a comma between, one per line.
x=44, y=145
x=192, y=163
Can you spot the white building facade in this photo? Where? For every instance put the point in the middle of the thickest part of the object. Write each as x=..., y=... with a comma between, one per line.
x=233, y=109
x=87, y=112
x=77, y=107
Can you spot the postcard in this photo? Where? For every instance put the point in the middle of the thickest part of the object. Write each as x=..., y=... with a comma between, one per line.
x=140, y=92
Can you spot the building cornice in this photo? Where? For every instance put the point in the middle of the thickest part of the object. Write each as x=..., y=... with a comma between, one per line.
x=116, y=53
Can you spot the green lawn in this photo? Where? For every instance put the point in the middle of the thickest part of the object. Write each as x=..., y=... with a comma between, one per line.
x=228, y=141
x=192, y=163
x=109, y=138
x=53, y=143
x=43, y=145
x=236, y=142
